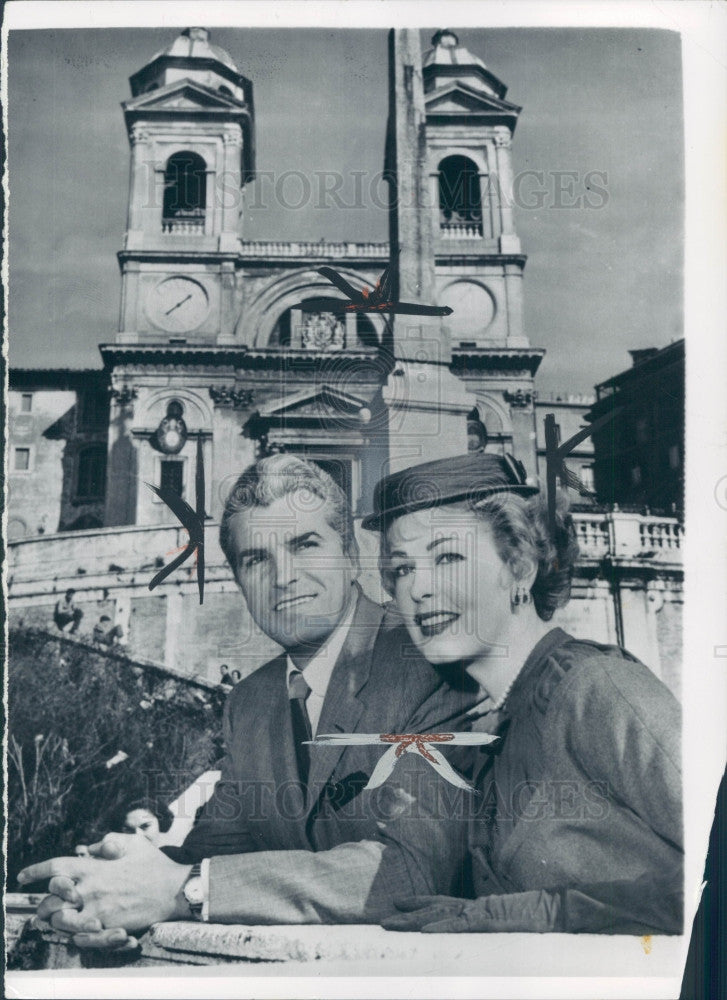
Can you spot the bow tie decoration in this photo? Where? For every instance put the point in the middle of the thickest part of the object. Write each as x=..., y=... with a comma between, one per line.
x=401, y=743
x=380, y=298
x=192, y=520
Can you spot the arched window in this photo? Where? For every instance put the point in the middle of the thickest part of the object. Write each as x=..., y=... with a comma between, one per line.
x=460, y=202
x=185, y=193
x=476, y=432
x=91, y=478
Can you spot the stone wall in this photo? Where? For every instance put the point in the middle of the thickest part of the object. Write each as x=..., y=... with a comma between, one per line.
x=627, y=590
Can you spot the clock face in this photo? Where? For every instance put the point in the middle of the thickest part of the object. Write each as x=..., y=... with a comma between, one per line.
x=178, y=304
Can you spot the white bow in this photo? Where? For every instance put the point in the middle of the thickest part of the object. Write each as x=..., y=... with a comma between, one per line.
x=401, y=743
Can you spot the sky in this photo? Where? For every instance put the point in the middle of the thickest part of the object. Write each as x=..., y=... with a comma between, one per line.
x=606, y=103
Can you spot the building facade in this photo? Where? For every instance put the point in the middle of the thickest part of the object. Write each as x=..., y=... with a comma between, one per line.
x=639, y=455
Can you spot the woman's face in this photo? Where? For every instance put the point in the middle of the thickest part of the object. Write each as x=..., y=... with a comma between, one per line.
x=450, y=584
x=144, y=822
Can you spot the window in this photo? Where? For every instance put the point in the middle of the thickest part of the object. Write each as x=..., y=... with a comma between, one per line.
x=460, y=203
x=93, y=410
x=185, y=193
x=91, y=481
x=339, y=469
x=26, y=402
x=636, y=475
x=172, y=476
x=674, y=457
x=21, y=461
x=642, y=431
x=587, y=477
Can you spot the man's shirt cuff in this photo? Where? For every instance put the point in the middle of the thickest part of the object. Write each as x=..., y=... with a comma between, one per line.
x=204, y=874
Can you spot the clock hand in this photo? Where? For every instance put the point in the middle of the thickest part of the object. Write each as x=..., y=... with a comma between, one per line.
x=181, y=303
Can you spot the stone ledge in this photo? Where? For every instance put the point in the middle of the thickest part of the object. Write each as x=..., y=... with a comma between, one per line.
x=296, y=943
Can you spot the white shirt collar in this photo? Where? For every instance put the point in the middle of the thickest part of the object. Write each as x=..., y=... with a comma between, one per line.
x=319, y=668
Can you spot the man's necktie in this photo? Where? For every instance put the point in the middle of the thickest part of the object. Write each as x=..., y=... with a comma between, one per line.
x=298, y=691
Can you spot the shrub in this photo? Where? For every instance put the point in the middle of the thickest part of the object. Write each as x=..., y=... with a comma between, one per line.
x=73, y=714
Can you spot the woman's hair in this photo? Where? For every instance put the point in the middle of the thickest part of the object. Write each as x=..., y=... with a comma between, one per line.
x=277, y=476
x=521, y=533
x=163, y=813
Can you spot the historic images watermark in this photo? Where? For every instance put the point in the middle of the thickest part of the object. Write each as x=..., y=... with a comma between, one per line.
x=175, y=186
x=411, y=798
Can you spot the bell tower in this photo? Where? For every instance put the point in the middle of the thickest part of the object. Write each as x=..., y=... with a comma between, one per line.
x=190, y=123
x=469, y=128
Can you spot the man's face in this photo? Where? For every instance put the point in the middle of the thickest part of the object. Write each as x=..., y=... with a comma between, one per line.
x=291, y=567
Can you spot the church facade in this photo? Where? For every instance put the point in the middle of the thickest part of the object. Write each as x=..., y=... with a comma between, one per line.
x=223, y=347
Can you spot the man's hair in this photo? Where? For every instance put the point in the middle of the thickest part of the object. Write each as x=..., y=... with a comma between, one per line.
x=70, y=592
x=277, y=476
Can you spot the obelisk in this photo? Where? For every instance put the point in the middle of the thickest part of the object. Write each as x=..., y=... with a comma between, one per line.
x=427, y=405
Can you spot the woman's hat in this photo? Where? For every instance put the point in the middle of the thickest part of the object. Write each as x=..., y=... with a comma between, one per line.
x=448, y=480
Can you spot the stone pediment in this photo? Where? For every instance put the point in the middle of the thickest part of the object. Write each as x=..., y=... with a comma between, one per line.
x=456, y=97
x=315, y=404
x=187, y=95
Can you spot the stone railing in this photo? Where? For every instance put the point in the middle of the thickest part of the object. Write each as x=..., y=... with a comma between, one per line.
x=592, y=535
x=100, y=552
x=183, y=227
x=460, y=230
x=660, y=535
x=623, y=536
x=270, y=248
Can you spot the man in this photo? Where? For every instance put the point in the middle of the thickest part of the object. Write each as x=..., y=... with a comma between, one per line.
x=289, y=835
x=225, y=677
x=66, y=612
x=105, y=633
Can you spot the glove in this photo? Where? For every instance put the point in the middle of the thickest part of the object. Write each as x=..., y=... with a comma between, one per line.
x=534, y=912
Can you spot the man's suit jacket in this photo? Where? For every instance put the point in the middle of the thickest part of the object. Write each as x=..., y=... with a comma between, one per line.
x=282, y=853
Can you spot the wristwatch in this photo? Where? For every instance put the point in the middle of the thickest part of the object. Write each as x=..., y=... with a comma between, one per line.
x=193, y=890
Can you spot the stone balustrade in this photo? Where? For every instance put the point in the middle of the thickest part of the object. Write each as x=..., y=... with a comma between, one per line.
x=592, y=535
x=622, y=536
x=183, y=227
x=659, y=535
x=271, y=248
x=460, y=230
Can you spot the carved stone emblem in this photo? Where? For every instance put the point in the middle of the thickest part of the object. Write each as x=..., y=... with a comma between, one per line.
x=323, y=332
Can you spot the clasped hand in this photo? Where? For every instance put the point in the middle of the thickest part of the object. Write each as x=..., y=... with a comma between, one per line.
x=125, y=885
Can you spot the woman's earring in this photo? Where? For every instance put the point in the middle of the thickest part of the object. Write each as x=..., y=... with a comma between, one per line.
x=519, y=595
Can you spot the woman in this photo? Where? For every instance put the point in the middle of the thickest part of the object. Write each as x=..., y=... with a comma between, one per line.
x=579, y=819
x=144, y=816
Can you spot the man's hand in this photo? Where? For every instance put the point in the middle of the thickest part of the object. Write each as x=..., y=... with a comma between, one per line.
x=531, y=912
x=126, y=885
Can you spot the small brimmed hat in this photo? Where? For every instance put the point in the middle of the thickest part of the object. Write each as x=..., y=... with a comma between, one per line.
x=448, y=480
